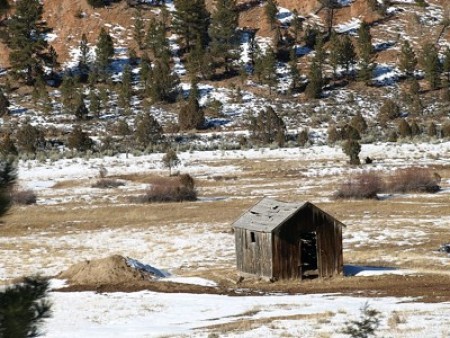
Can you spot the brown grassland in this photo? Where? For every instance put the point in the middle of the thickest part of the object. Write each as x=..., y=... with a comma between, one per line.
x=401, y=231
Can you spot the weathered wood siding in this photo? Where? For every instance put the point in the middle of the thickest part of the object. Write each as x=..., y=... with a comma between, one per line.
x=286, y=247
x=254, y=257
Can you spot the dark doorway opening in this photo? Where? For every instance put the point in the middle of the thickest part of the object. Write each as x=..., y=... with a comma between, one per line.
x=308, y=255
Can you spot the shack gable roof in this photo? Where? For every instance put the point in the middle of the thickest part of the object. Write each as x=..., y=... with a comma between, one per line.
x=266, y=215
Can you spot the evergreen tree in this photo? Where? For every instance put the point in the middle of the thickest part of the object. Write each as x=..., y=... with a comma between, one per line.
x=126, y=89
x=335, y=53
x=94, y=103
x=315, y=77
x=271, y=13
x=4, y=104
x=415, y=129
x=164, y=84
x=191, y=21
x=68, y=91
x=81, y=112
x=333, y=135
x=191, y=115
x=7, y=180
x=84, y=59
x=223, y=33
x=105, y=51
x=296, y=26
x=352, y=148
x=359, y=123
x=267, y=127
x=145, y=72
x=79, y=140
x=269, y=67
x=432, y=129
x=28, y=48
x=139, y=29
x=97, y=3
x=52, y=61
x=29, y=138
x=404, y=129
x=348, y=53
x=365, y=50
x=446, y=64
x=388, y=111
x=199, y=63
x=408, y=60
x=156, y=40
x=23, y=307
x=293, y=70
x=147, y=130
x=7, y=147
x=431, y=65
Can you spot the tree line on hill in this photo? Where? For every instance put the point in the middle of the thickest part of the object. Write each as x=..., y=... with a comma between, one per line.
x=209, y=48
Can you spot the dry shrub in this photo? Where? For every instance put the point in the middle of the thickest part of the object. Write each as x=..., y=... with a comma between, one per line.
x=172, y=189
x=364, y=185
x=107, y=183
x=413, y=180
x=23, y=197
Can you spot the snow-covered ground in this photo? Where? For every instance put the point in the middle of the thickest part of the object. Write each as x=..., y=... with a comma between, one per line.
x=150, y=314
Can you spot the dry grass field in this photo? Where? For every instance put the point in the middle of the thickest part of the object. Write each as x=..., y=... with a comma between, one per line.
x=400, y=231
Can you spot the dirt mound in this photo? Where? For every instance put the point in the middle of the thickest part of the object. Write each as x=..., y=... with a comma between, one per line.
x=111, y=270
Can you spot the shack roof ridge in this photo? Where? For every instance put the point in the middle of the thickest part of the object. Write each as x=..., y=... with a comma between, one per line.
x=267, y=214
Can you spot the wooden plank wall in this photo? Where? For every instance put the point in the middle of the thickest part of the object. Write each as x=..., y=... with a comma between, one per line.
x=254, y=257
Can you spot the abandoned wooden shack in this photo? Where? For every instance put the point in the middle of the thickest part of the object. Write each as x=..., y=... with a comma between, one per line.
x=288, y=240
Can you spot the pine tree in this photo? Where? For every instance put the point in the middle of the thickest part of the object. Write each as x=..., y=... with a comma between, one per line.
x=79, y=140
x=7, y=180
x=269, y=67
x=4, y=104
x=147, y=131
x=335, y=53
x=23, y=307
x=415, y=129
x=388, y=111
x=94, y=103
x=126, y=89
x=84, y=59
x=267, y=127
x=105, y=51
x=199, y=63
x=352, y=148
x=296, y=26
x=139, y=29
x=28, y=48
x=52, y=61
x=271, y=11
x=348, y=53
x=81, y=112
x=365, y=50
x=404, y=129
x=163, y=85
x=68, y=91
x=191, y=115
x=29, y=138
x=293, y=70
x=408, y=60
x=7, y=147
x=432, y=129
x=315, y=77
x=191, y=21
x=446, y=64
x=359, y=123
x=432, y=65
x=223, y=33
x=155, y=38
